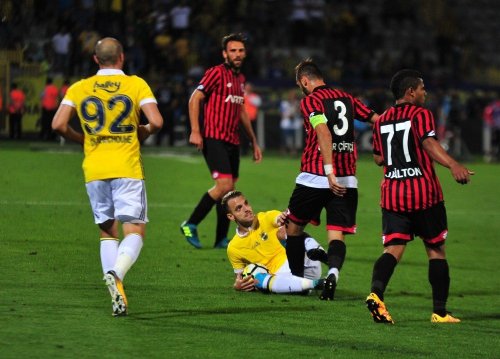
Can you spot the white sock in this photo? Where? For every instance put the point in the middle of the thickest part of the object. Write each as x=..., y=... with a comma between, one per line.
x=289, y=284
x=334, y=271
x=128, y=252
x=109, y=252
x=311, y=243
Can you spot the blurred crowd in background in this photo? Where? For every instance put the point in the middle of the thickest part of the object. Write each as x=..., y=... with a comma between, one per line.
x=359, y=44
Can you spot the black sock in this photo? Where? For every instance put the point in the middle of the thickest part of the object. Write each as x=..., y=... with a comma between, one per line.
x=382, y=272
x=316, y=254
x=336, y=254
x=439, y=277
x=222, y=224
x=295, y=253
x=202, y=209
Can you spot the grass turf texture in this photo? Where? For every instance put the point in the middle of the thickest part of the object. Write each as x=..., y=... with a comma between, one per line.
x=53, y=302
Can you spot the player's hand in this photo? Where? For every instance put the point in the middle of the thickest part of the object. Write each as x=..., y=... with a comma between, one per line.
x=257, y=153
x=196, y=139
x=335, y=187
x=460, y=173
x=246, y=284
x=282, y=218
x=143, y=132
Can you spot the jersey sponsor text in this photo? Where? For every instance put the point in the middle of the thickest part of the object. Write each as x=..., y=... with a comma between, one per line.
x=404, y=173
x=94, y=141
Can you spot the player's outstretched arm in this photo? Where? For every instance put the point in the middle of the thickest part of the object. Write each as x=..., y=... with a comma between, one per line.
x=460, y=173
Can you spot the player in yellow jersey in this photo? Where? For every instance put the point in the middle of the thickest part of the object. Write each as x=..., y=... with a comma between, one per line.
x=259, y=239
x=108, y=106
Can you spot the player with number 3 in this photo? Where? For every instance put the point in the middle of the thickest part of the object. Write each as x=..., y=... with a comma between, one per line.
x=328, y=171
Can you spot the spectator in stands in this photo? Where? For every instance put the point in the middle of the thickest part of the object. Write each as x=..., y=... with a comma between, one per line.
x=298, y=21
x=17, y=100
x=491, y=117
x=64, y=88
x=49, y=102
x=61, y=45
x=87, y=40
x=180, y=16
x=290, y=115
x=252, y=104
x=163, y=94
x=1, y=98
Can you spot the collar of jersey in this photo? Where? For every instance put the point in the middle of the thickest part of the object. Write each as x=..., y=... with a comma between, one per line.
x=320, y=87
x=110, y=72
x=243, y=235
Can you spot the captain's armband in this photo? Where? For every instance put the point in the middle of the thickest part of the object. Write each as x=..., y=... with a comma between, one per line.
x=315, y=118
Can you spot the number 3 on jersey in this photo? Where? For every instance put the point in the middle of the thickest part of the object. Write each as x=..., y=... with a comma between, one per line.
x=341, y=109
x=94, y=113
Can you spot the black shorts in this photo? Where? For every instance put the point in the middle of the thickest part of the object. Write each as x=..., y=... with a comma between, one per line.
x=306, y=204
x=222, y=158
x=430, y=224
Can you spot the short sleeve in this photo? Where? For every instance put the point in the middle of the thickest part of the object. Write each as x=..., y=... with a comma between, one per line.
x=424, y=125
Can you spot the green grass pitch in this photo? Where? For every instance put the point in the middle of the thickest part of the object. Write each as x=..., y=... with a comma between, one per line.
x=53, y=303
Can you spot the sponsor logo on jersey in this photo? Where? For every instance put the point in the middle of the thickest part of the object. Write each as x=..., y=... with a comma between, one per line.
x=200, y=87
x=343, y=146
x=108, y=86
x=96, y=140
x=235, y=99
x=229, y=85
x=431, y=134
x=404, y=173
x=215, y=175
x=263, y=236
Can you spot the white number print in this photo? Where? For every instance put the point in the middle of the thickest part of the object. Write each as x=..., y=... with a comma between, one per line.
x=401, y=126
x=340, y=107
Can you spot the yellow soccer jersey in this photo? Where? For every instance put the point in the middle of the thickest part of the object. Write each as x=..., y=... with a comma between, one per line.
x=261, y=245
x=108, y=106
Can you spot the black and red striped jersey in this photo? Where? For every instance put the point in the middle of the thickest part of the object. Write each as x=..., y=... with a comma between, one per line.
x=410, y=181
x=223, y=89
x=340, y=109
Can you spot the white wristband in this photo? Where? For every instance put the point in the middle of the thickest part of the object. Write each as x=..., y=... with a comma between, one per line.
x=328, y=169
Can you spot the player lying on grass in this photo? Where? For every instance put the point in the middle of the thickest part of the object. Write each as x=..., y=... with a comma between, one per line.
x=259, y=239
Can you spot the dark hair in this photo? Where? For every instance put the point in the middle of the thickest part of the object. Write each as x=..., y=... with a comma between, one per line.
x=403, y=80
x=233, y=37
x=308, y=69
x=228, y=196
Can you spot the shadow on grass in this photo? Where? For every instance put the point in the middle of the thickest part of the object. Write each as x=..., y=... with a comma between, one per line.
x=330, y=343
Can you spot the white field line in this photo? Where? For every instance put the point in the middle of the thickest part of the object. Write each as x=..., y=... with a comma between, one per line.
x=187, y=205
x=83, y=203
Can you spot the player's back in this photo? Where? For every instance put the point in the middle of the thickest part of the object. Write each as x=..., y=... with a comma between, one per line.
x=340, y=109
x=108, y=106
x=410, y=182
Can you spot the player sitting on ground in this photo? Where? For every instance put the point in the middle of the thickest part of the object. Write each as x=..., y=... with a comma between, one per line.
x=259, y=239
